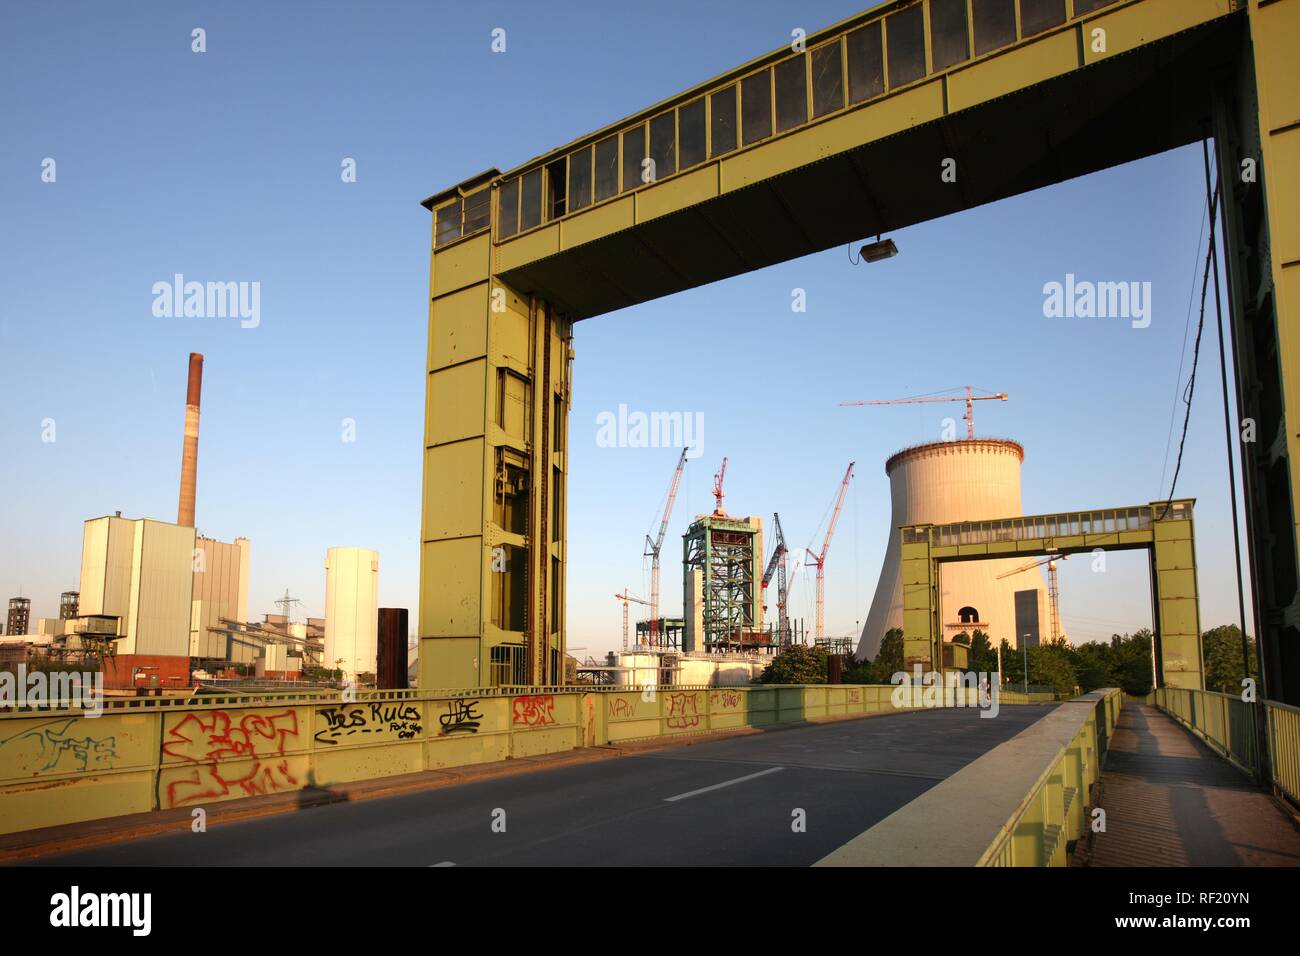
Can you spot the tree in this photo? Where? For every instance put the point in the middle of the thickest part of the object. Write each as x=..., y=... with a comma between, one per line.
x=889, y=661
x=1050, y=666
x=983, y=656
x=796, y=665
x=1221, y=647
x=1092, y=665
x=1131, y=662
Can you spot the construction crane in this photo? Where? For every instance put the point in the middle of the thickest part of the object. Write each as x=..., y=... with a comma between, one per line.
x=1053, y=591
x=654, y=547
x=820, y=558
x=970, y=398
x=717, y=489
x=625, y=598
x=776, y=564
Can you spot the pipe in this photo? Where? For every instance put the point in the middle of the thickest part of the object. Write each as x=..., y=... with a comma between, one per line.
x=190, y=452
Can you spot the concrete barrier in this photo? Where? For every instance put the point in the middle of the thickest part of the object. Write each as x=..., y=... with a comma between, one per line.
x=141, y=754
x=1020, y=804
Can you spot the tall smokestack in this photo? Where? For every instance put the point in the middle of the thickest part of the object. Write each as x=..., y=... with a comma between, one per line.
x=190, y=454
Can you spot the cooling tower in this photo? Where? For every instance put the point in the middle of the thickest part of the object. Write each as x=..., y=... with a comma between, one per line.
x=967, y=480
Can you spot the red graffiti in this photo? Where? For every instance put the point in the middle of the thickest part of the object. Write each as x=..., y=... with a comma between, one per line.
x=212, y=740
x=855, y=696
x=726, y=698
x=618, y=707
x=534, y=711
x=683, y=711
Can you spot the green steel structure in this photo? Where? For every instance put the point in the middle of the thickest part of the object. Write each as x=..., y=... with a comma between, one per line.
x=721, y=569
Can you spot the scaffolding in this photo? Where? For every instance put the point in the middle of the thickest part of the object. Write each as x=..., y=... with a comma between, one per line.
x=721, y=564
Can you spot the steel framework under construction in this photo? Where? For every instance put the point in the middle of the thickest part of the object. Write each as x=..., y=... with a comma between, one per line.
x=720, y=571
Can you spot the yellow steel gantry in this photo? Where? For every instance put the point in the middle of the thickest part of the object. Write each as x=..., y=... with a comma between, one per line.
x=907, y=112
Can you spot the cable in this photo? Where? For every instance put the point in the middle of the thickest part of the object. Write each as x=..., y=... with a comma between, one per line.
x=1228, y=432
x=1182, y=353
x=1190, y=391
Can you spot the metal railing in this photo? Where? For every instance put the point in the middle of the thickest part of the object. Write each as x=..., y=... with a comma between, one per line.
x=1239, y=731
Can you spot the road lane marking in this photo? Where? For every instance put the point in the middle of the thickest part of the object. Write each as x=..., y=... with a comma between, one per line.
x=719, y=786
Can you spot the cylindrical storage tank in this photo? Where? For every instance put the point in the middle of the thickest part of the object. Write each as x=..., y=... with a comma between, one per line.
x=971, y=479
x=351, y=610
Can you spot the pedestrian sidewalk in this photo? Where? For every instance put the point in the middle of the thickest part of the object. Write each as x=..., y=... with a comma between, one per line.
x=1172, y=801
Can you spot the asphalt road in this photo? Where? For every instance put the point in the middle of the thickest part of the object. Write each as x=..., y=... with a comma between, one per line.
x=731, y=802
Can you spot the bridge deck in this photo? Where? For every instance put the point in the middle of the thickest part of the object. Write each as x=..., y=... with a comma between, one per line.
x=1171, y=801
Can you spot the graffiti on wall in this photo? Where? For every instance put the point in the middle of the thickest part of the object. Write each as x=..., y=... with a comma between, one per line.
x=230, y=758
x=378, y=717
x=683, y=711
x=462, y=716
x=855, y=695
x=54, y=747
x=535, y=710
x=621, y=707
x=727, y=699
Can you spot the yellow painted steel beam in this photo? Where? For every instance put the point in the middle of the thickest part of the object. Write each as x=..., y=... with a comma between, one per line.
x=1163, y=528
x=496, y=429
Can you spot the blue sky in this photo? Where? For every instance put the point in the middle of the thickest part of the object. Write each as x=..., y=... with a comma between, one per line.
x=225, y=166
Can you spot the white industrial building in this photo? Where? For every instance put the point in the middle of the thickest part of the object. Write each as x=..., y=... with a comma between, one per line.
x=351, y=610
x=972, y=479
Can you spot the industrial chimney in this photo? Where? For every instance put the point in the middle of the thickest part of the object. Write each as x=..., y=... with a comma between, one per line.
x=190, y=454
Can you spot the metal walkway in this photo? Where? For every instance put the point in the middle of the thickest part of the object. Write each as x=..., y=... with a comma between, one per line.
x=1172, y=801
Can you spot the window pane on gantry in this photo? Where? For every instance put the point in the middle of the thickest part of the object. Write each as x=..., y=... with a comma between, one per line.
x=995, y=24
x=478, y=211
x=690, y=134
x=866, y=63
x=905, y=36
x=1039, y=15
x=633, y=154
x=530, y=203
x=606, y=168
x=448, y=223
x=722, y=122
x=663, y=144
x=756, y=107
x=791, y=93
x=948, y=40
x=827, y=79
x=508, y=208
x=580, y=179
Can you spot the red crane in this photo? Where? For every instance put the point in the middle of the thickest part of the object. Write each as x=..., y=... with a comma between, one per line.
x=717, y=488
x=655, y=546
x=970, y=398
x=820, y=558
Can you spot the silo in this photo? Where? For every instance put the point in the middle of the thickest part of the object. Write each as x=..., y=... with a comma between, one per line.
x=971, y=479
x=351, y=610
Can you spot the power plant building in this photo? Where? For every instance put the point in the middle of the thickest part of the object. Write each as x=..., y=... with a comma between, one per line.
x=972, y=479
x=220, y=591
x=141, y=572
x=351, y=610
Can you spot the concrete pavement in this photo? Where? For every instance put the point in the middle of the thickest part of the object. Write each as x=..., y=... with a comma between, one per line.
x=785, y=798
